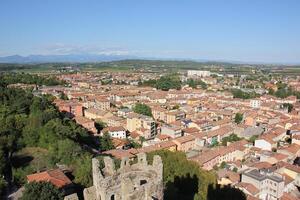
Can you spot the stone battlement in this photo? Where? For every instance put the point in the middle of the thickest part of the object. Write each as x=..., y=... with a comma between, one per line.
x=139, y=181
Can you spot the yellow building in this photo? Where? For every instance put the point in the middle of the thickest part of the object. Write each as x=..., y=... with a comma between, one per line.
x=141, y=122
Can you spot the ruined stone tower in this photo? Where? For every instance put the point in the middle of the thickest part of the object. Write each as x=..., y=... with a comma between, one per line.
x=138, y=181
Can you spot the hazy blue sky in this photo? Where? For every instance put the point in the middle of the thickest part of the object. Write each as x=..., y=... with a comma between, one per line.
x=242, y=30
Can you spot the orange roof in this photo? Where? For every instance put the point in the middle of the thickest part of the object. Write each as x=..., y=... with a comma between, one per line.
x=293, y=148
x=163, y=136
x=184, y=139
x=287, y=196
x=114, y=128
x=261, y=165
x=249, y=187
x=191, y=130
x=289, y=166
x=280, y=156
x=55, y=176
x=118, y=142
x=221, y=131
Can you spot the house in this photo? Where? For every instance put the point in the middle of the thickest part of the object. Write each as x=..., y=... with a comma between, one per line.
x=159, y=113
x=123, y=112
x=185, y=143
x=248, y=189
x=292, y=151
x=207, y=159
x=86, y=123
x=292, y=171
x=54, y=176
x=227, y=177
x=141, y=122
x=255, y=103
x=270, y=184
x=119, y=143
x=173, y=116
x=115, y=132
x=203, y=125
x=265, y=144
x=191, y=131
x=268, y=140
x=171, y=130
x=102, y=103
x=296, y=139
x=162, y=137
x=72, y=108
x=115, y=121
x=218, y=134
x=94, y=114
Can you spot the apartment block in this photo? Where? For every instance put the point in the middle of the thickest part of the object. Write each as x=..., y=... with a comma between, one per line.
x=270, y=184
x=141, y=122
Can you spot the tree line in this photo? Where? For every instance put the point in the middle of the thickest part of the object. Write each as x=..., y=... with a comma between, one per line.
x=35, y=136
x=11, y=78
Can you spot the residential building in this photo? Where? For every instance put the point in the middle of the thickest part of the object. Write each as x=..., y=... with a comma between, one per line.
x=138, y=122
x=171, y=130
x=270, y=184
x=199, y=73
x=115, y=132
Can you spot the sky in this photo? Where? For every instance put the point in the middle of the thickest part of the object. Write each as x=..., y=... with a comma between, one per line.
x=231, y=30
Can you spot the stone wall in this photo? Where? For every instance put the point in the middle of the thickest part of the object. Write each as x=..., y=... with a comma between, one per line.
x=139, y=181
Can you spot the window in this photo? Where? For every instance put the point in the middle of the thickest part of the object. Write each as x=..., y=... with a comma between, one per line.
x=112, y=197
x=142, y=182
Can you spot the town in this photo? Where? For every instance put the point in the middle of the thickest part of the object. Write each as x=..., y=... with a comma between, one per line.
x=245, y=129
x=150, y=100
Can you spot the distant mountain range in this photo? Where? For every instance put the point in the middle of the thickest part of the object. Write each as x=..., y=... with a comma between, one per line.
x=63, y=58
x=83, y=58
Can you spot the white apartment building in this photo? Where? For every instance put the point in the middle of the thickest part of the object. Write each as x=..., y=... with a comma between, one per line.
x=270, y=185
x=199, y=73
x=255, y=103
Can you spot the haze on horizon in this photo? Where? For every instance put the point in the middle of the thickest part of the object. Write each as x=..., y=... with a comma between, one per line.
x=249, y=31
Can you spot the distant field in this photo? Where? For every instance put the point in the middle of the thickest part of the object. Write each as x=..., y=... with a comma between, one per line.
x=108, y=69
x=151, y=66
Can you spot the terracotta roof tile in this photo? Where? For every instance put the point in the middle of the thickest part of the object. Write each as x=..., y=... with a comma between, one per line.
x=55, y=176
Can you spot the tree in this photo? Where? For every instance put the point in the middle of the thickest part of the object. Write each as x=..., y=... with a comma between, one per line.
x=11, y=78
x=63, y=96
x=235, y=169
x=194, y=83
x=288, y=106
x=142, y=109
x=29, y=121
x=231, y=138
x=223, y=165
x=100, y=125
x=271, y=91
x=133, y=144
x=2, y=185
x=142, y=139
x=253, y=138
x=183, y=179
x=176, y=107
x=237, y=93
x=106, y=142
x=83, y=171
x=238, y=118
x=41, y=191
x=168, y=82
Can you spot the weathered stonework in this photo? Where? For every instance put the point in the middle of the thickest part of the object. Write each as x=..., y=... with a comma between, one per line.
x=71, y=197
x=138, y=181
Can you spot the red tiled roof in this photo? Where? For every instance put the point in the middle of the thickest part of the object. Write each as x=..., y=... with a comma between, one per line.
x=56, y=177
x=249, y=187
x=287, y=196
